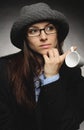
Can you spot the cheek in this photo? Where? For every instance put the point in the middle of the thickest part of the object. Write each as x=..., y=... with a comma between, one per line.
x=54, y=40
x=32, y=44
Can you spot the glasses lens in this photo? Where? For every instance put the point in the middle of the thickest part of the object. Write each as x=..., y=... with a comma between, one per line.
x=33, y=32
x=50, y=29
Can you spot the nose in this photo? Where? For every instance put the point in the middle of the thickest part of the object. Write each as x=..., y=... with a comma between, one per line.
x=43, y=35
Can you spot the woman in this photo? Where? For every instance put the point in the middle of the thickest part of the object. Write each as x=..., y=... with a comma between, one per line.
x=37, y=90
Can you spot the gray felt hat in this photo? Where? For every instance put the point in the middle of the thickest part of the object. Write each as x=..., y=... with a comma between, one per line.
x=35, y=13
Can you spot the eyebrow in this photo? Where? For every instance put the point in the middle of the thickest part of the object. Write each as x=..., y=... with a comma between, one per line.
x=35, y=26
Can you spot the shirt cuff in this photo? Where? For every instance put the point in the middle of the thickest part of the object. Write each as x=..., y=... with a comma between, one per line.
x=48, y=80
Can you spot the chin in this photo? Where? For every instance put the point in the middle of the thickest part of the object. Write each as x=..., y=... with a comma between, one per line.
x=44, y=52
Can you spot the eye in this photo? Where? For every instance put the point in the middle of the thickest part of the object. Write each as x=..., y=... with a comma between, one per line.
x=33, y=31
x=50, y=28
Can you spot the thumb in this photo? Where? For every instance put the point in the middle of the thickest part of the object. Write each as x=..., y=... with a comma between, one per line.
x=63, y=56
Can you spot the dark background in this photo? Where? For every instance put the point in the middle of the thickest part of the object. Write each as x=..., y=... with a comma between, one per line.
x=73, y=9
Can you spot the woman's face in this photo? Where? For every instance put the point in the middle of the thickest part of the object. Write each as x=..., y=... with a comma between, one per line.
x=42, y=37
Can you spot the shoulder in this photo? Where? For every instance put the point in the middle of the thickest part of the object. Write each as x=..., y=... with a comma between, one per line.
x=5, y=59
x=5, y=62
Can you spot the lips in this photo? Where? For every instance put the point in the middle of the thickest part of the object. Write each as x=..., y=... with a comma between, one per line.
x=45, y=46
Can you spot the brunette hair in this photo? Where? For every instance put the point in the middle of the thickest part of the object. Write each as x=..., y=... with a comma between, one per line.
x=23, y=67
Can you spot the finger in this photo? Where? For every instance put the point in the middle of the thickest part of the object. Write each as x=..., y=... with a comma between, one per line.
x=56, y=52
x=46, y=58
x=51, y=53
x=73, y=48
x=56, y=55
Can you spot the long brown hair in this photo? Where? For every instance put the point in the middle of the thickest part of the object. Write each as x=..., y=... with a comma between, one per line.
x=23, y=67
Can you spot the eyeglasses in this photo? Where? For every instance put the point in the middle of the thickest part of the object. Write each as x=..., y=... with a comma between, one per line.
x=35, y=31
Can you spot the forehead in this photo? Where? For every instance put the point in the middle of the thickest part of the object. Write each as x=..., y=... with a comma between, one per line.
x=40, y=24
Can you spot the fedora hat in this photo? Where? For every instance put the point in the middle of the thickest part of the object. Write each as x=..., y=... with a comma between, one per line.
x=34, y=13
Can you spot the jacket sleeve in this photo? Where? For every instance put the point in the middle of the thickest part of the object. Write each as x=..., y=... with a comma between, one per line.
x=62, y=102
x=76, y=91
x=75, y=86
x=79, y=95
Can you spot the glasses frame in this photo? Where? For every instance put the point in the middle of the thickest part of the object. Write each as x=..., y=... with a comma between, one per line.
x=43, y=29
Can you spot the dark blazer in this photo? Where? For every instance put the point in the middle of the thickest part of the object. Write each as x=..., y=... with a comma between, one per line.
x=60, y=105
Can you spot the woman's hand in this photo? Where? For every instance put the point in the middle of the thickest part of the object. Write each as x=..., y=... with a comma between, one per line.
x=53, y=62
